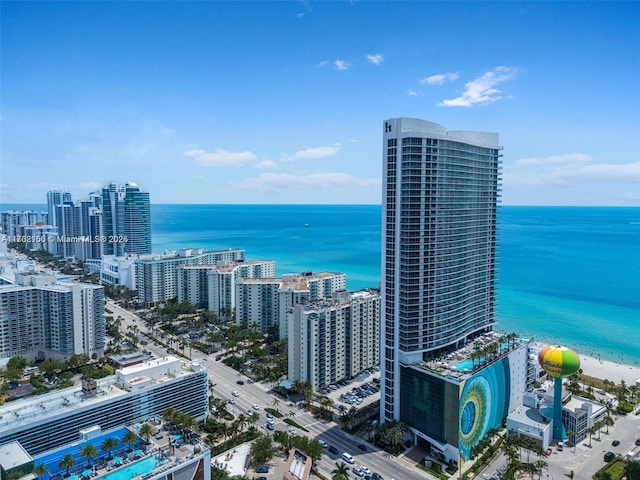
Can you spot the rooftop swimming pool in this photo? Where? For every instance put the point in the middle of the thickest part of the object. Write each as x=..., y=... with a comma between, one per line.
x=127, y=472
x=52, y=459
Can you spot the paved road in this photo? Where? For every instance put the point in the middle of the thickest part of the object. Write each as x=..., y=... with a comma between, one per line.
x=225, y=380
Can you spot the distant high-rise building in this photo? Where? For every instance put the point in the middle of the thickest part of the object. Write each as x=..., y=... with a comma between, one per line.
x=126, y=222
x=55, y=198
x=440, y=196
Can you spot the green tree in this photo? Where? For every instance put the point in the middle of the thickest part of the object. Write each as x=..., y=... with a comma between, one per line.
x=67, y=462
x=262, y=449
x=18, y=363
x=40, y=469
x=146, y=430
x=88, y=452
x=341, y=472
x=130, y=438
x=109, y=444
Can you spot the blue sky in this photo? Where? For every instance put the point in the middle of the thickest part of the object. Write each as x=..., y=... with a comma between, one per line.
x=283, y=102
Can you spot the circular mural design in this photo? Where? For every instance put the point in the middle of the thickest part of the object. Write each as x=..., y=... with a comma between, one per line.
x=474, y=413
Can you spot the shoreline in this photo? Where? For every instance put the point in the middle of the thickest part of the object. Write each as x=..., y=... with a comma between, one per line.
x=606, y=369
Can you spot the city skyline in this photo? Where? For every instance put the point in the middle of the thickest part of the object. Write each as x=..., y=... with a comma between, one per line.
x=260, y=102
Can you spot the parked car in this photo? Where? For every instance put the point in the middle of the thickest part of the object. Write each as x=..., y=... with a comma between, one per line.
x=609, y=456
x=262, y=469
x=615, y=443
x=548, y=451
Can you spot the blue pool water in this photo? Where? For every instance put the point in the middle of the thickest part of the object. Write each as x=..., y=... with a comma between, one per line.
x=52, y=459
x=127, y=472
x=464, y=365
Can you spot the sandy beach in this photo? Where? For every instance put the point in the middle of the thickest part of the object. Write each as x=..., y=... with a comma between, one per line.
x=606, y=369
x=612, y=371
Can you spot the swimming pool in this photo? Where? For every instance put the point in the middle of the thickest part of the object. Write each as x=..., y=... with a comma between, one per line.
x=127, y=472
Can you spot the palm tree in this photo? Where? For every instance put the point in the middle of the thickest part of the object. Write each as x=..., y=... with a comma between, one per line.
x=274, y=403
x=40, y=469
x=88, y=451
x=341, y=472
x=109, y=444
x=67, y=462
x=590, y=431
x=130, y=438
x=146, y=430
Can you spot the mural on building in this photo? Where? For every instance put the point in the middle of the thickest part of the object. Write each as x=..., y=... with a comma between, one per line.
x=484, y=403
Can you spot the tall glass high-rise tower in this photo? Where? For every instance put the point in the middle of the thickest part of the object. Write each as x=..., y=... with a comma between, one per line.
x=439, y=264
x=126, y=220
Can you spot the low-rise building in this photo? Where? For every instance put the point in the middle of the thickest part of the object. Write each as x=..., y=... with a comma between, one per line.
x=134, y=394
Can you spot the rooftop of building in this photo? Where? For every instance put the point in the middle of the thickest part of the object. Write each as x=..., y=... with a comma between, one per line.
x=340, y=298
x=292, y=281
x=460, y=364
x=182, y=253
x=18, y=413
x=298, y=466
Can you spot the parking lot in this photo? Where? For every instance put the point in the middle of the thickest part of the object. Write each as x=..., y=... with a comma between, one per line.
x=358, y=392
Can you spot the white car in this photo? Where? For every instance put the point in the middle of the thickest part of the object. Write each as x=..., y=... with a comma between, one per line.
x=292, y=431
x=255, y=407
x=323, y=443
x=231, y=401
x=235, y=393
x=365, y=470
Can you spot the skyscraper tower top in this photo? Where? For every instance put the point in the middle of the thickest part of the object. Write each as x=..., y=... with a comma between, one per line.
x=439, y=263
x=126, y=220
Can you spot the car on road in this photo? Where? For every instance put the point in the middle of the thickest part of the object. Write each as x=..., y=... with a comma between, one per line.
x=548, y=451
x=333, y=449
x=615, y=443
x=235, y=393
x=365, y=470
x=255, y=406
x=231, y=401
x=377, y=476
x=362, y=447
x=323, y=443
x=239, y=382
x=358, y=471
x=248, y=413
x=262, y=469
x=609, y=456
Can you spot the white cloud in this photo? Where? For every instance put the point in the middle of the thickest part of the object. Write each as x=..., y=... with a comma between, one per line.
x=341, y=65
x=440, y=78
x=555, y=159
x=266, y=164
x=568, y=169
x=412, y=93
x=323, y=63
x=482, y=90
x=221, y=158
x=315, y=152
x=375, y=59
x=274, y=183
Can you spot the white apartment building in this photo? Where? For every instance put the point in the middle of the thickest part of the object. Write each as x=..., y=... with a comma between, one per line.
x=334, y=339
x=41, y=317
x=264, y=301
x=214, y=285
x=134, y=394
x=118, y=270
x=157, y=274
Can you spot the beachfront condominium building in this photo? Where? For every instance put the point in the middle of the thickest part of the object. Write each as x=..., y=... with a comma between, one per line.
x=126, y=220
x=134, y=394
x=55, y=198
x=333, y=339
x=440, y=196
x=157, y=274
x=265, y=301
x=214, y=285
x=12, y=221
x=41, y=317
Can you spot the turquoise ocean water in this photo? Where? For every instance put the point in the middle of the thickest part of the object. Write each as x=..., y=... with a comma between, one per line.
x=568, y=275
